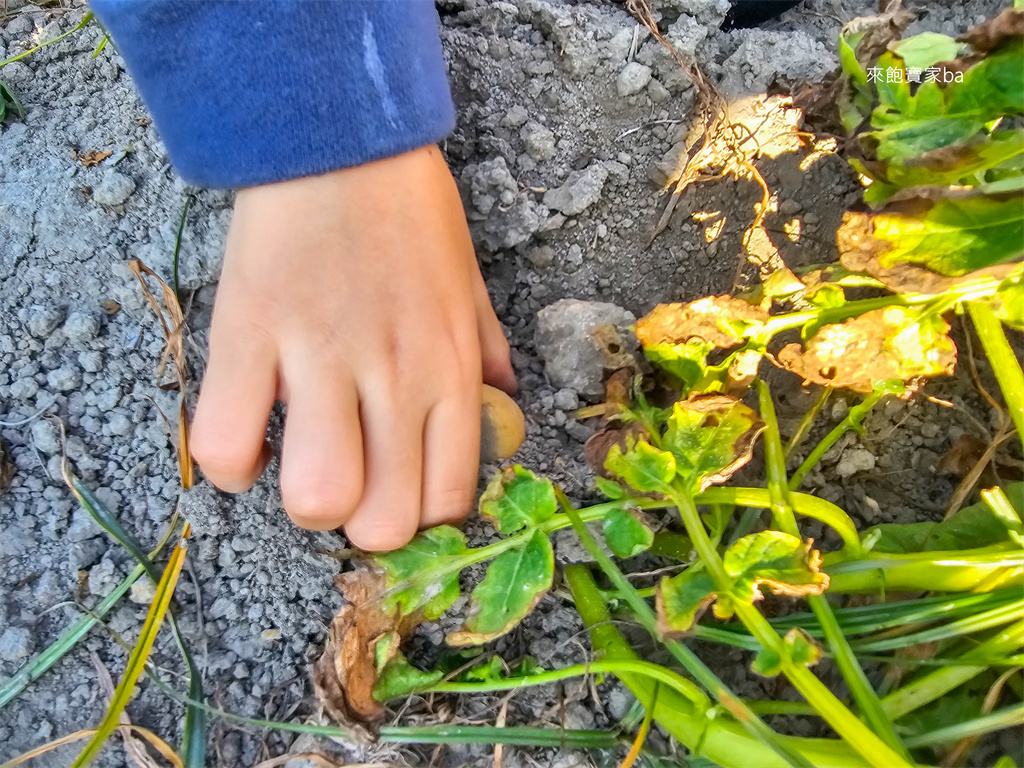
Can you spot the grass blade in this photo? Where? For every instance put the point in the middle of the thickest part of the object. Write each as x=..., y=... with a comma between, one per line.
x=137, y=660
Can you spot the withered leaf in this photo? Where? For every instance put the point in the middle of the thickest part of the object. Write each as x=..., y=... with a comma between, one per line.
x=892, y=343
x=346, y=672
x=7, y=468
x=904, y=277
x=990, y=34
x=718, y=320
x=93, y=157
x=622, y=434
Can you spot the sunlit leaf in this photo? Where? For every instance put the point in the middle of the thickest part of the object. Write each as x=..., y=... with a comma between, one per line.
x=626, y=534
x=681, y=599
x=784, y=563
x=515, y=582
x=710, y=436
x=721, y=321
x=894, y=343
x=517, y=498
x=1008, y=302
x=927, y=48
x=429, y=550
x=642, y=466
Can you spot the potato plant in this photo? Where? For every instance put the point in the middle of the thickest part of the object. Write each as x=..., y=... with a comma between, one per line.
x=940, y=612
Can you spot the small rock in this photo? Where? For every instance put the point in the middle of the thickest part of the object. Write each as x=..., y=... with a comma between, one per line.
x=24, y=389
x=143, y=591
x=85, y=554
x=43, y=322
x=566, y=400
x=541, y=258
x=633, y=78
x=790, y=207
x=114, y=189
x=580, y=191
x=572, y=358
x=81, y=327
x=119, y=425
x=15, y=644
x=538, y=141
x=82, y=526
x=45, y=437
x=516, y=116
x=659, y=93
x=669, y=166
x=854, y=461
x=64, y=379
x=91, y=361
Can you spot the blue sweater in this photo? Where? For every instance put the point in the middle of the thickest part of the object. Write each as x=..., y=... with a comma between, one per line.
x=247, y=92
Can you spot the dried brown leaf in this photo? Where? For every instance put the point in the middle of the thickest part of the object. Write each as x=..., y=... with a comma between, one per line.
x=715, y=319
x=622, y=434
x=344, y=676
x=885, y=344
x=961, y=457
x=990, y=34
x=110, y=306
x=93, y=157
x=7, y=468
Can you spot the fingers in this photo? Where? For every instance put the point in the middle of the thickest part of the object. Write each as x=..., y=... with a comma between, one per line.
x=227, y=434
x=451, y=447
x=389, y=511
x=322, y=456
x=494, y=350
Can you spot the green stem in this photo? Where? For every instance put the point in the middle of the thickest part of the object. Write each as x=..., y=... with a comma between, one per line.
x=1003, y=718
x=489, y=734
x=647, y=669
x=719, y=739
x=856, y=680
x=971, y=570
x=700, y=672
x=1004, y=363
x=853, y=731
x=807, y=420
x=854, y=418
x=926, y=689
x=85, y=20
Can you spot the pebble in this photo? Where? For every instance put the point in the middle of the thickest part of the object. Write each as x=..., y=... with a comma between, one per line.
x=15, y=644
x=566, y=400
x=24, y=389
x=64, y=379
x=855, y=460
x=82, y=526
x=142, y=592
x=114, y=189
x=81, y=327
x=43, y=322
x=538, y=141
x=633, y=78
x=790, y=207
x=45, y=437
x=119, y=425
x=580, y=191
x=659, y=93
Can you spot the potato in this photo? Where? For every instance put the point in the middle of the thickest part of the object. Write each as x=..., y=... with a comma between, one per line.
x=502, y=426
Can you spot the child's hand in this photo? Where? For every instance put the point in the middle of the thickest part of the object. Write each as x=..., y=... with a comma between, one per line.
x=356, y=299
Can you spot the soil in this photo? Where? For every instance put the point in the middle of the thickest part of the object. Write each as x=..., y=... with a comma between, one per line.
x=538, y=85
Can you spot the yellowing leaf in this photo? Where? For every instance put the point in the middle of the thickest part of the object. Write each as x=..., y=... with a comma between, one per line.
x=514, y=584
x=710, y=436
x=718, y=320
x=680, y=599
x=642, y=466
x=517, y=498
x=893, y=343
x=782, y=562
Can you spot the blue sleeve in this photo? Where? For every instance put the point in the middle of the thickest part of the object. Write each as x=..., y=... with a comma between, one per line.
x=248, y=92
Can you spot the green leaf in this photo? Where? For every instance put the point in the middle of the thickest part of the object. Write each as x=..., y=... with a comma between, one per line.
x=972, y=527
x=609, y=488
x=681, y=598
x=1008, y=303
x=784, y=563
x=688, y=361
x=938, y=114
x=710, y=436
x=9, y=100
x=642, y=466
x=855, y=98
x=399, y=678
x=516, y=498
x=429, y=551
x=799, y=647
x=626, y=534
x=924, y=50
x=514, y=584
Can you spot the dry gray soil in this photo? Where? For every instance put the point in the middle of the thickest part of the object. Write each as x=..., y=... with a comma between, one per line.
x=551, y=95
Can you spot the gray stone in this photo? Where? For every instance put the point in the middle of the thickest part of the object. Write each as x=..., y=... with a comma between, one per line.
x=114, y=189
x=64, y=379
x=24, y=388
x=516, y=116
x=45, y=436
x=44, y=321
x=85, y=554
x=855, y=460
x=81, y=327
x=541, y=257
x=15, y=644
x=538, y=141
x=119, y=424
x=82, y=526
x=659, y=93
x=580, y=191
x=633, y=78
x=566, y=400
x=572, y=358
x=91, y=361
